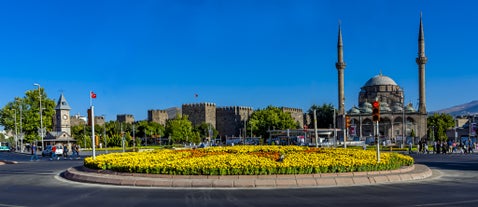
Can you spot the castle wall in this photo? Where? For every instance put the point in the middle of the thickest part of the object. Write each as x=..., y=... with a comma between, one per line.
x=158, y=116
x=297, y=115
x=200, y=113
x=125, y=118
x=231, y=121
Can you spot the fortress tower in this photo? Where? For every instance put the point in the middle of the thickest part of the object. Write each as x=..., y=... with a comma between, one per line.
x=199, y=113
x=231, y=121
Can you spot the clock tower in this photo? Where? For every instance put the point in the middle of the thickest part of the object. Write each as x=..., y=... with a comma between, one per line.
x=62, y=118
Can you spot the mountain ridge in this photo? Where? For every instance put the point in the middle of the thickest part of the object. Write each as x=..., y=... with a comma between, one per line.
x=462, y=109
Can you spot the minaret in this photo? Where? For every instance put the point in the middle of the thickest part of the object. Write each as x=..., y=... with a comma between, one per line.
x=421, y=61
x=340, y=65
x=63, y=115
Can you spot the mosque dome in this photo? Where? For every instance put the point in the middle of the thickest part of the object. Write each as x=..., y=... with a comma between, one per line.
x=380, y=80
x=409, y=109
x=397, y=107
x=384, y=107
x=354, y=110
x=367, y=104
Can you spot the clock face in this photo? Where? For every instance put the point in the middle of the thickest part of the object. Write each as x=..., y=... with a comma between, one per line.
x=65, y=117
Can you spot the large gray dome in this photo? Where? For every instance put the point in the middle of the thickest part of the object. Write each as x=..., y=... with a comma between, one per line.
x=380, y=80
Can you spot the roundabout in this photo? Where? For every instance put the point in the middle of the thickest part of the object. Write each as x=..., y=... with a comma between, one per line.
x=248, y=167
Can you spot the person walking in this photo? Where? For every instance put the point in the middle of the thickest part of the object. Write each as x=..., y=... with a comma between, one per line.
x=65, y=152
x=34, y=153
x=53, y=152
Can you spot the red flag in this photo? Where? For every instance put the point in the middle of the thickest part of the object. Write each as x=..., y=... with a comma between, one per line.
x=93, y=94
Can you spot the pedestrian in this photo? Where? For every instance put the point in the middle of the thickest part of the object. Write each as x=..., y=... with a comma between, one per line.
x=34, y=153
x=73, y=152
x=53, y=152
x=410, y=145
x=65, y=152
x=78, y=152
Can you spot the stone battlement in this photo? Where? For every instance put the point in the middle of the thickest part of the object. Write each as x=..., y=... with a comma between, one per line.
x=199, y=104
x=232, y=108
x=292, y=109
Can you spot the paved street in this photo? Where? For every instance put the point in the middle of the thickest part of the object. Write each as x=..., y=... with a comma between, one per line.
x=453, y=183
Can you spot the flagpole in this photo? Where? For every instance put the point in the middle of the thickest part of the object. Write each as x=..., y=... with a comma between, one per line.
x=92, y=109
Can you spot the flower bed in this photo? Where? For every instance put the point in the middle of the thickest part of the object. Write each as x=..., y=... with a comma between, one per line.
x=249, y=160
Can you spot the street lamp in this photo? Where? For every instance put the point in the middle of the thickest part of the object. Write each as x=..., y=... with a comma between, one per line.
x=403, y=117
x=41, y=117
x=16, y=132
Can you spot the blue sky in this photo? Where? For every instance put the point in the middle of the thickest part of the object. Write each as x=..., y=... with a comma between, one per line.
x=140, y=55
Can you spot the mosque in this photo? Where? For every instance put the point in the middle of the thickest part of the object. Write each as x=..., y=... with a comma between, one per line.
x=397, y=119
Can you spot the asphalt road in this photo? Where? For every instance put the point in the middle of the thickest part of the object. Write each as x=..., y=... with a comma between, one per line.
x=454, y=183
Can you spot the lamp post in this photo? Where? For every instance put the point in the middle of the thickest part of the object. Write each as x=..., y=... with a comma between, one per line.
x=16, y=132
x=335, y=130
x=403, y=117
x=41, y=118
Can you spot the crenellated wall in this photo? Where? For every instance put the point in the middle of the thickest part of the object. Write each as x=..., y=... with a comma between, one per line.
x=232, y=120
x=297, y=114
x=158, y=116
x=200, y=112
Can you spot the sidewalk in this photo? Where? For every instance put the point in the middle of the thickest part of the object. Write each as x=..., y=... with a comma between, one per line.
x=82, y=174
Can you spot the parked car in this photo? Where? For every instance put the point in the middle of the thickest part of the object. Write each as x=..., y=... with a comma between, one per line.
x=47, y=152
x=4, y=148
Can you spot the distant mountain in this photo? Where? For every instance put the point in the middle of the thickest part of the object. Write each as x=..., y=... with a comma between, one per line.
x=463, y=109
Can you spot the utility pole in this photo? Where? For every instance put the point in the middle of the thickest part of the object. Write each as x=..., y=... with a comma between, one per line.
x=315, y=129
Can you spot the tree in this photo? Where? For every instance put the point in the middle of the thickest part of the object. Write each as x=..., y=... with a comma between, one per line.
x=148, y=129
x=269, y=118
x=27, y=110
x=325, y=115
x=438, y=124
x=180, y=130
x=203, y=130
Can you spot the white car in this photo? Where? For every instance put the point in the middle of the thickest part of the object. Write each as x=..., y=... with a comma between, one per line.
x=47, y=151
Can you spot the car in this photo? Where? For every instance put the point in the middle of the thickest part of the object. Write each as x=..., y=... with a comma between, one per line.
x=47, y=152
x=4, y=148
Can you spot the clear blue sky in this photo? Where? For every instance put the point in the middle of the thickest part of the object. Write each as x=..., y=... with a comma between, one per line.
x=140, y=55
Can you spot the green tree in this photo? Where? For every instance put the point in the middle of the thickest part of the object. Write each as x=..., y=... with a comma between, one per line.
x=148, y=129
x=180, y=130
x=270, y=118
x=438, y=124
x=26, y=110
x=325, y=116
x=203, y=130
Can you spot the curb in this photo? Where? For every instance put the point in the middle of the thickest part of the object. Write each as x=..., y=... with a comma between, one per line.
x=83, y=174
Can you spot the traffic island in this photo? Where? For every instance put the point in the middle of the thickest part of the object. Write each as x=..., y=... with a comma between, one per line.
x=107, y=177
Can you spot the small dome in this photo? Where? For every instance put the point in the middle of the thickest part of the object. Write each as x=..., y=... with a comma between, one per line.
x=397, y=107
x=380, y=80
x=367, y=104
x=354, y=110
x=384, y=107
x=365, y=109
x=409, y=108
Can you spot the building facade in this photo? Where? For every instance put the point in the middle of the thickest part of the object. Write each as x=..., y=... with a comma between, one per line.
x=199, y=113
x=397, y=120
x=231, y=121
x=158, y=116
x=125, y=118
x=297, y=115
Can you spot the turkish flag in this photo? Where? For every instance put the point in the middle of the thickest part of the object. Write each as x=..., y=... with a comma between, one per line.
x=93, y=94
